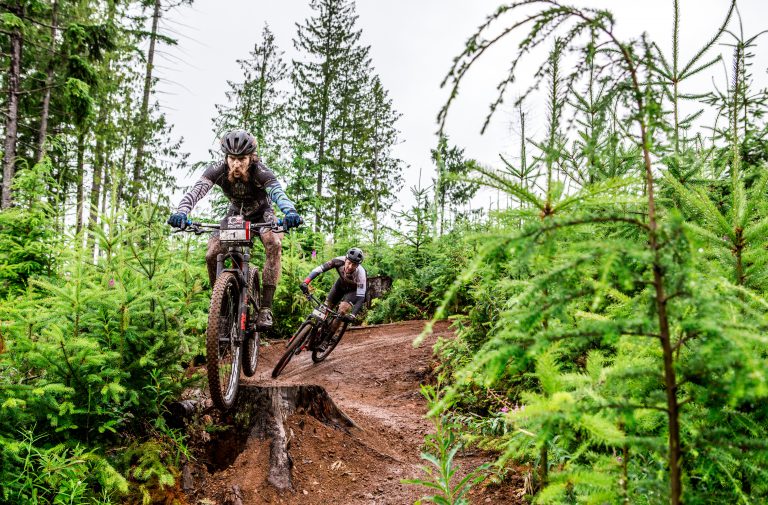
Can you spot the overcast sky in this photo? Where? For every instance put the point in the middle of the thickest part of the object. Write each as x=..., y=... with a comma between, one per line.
x=413, y=43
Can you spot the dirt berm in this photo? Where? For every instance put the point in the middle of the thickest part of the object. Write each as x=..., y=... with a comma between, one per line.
x=345, y=431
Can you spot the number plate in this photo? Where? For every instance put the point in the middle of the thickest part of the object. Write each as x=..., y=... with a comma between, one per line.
x=318, y=314
x=233, y=235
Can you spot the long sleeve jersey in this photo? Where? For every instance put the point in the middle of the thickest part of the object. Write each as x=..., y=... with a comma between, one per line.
x=356, y=280
x=247, y=198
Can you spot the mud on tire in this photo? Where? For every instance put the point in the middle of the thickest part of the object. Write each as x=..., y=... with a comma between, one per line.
x=296, y=341
x=222, y=352
x=251, y=344
x=333, y=341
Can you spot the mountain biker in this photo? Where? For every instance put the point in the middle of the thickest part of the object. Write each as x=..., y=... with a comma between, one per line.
x=349, y=288
x=251, y=188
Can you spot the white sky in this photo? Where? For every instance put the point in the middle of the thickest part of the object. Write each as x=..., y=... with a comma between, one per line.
x=413, y=43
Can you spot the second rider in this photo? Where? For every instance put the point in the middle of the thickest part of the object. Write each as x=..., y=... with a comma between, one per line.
x=349, y=288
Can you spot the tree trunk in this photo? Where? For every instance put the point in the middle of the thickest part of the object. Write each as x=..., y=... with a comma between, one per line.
x=41, y=147
x=337, y=180
x=98, y=169
x=12, y=120
x=144, y=111
x=665, y=333
x=376, y=201
x=260, y=113
x=376, y=194
x=320, y=162
x=99, y=181
x=121, y=173
x=80, y=181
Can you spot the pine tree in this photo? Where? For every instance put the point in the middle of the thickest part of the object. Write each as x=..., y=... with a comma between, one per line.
x=145, y=175
x=451, y=187
x=13, y=24
x=326, y=83
x=607, y=275
x=381, y=174
x=258, y=104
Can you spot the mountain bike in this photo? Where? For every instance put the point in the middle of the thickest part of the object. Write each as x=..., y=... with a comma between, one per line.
x=232, y=338
x=315, y=334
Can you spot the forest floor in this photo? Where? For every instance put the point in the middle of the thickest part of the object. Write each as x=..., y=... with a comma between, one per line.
x=374, y=377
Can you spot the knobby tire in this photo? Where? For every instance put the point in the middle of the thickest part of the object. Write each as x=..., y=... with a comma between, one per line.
x=223, y=353
x=333, y=341
x=251, y=344
x=294, y=344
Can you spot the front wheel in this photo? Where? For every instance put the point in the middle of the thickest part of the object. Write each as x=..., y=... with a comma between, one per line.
x=251, y=344
x=221, y=343
x=293, y=346
x=331, y=342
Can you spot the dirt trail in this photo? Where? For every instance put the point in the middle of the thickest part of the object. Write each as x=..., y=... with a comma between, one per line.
x=373, y=376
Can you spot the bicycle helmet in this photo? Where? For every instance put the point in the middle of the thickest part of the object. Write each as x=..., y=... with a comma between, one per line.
x=238, y=143
x=355, y=255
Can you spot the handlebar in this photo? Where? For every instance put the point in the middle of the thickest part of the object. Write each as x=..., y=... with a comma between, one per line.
x=318, y=304
x=198, y=228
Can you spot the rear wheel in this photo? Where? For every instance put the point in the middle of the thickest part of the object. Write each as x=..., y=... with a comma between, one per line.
x=332, y=341
x=222, y=349
x=251, y=344
x=295, y=343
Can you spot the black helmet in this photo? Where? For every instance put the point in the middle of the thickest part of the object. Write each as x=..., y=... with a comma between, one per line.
x=355, y=255
x=238, y=143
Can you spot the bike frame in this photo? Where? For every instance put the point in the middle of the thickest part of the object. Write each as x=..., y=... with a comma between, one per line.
x=241, y=258
x=317, y=322
x=235, y=342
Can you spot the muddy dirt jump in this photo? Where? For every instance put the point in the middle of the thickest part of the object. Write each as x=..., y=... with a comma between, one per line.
x=344, y=431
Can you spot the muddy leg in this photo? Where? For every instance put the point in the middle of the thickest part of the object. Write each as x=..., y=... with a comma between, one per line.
x=214, y=249
x=273, y=246
x=344, y=308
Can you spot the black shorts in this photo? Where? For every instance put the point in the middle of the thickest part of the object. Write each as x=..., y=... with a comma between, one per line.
x=341, y=291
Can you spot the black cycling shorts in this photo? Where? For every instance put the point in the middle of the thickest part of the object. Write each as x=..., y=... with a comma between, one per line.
x=341, y=291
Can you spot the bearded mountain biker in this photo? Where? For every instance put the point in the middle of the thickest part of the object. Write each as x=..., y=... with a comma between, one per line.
x=349, y=288
x=251, y=189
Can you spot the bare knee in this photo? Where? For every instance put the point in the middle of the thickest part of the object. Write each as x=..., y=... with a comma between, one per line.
x=214, y=247
x=345, y=307
x=273, y=244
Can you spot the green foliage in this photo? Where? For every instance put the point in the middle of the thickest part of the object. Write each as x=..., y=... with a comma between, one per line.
x=343, y=124
x=422, y=277
x=12, y=22
x=625, y=344
x=27, y=237
x=33, y=472
x=153, y=464
x=452, y=189
x=79, y=99
x=442, y=474
x=97, y=350
x=610, y=324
